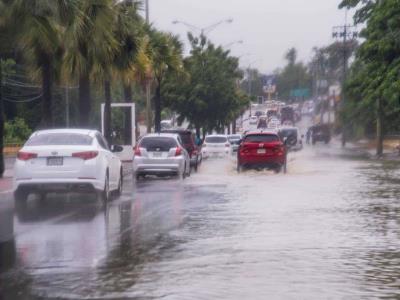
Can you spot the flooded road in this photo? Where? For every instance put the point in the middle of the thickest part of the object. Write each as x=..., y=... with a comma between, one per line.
x=327, y=229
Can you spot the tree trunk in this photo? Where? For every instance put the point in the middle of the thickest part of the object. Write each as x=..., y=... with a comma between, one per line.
x=229, y=128
x=234, y=127
x=84, y=100
x=379, y=129
x=107, y=112
x=128, y=118
x=47, y=103
x=157, y=109
x=1, y=123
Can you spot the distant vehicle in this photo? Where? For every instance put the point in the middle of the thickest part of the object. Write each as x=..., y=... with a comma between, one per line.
x=320, y=133
x=262, y=150
x=161, y=154
x=288, y=115
x=274, y=124
x=292, y=138
x=253, y=120
x=272, y=113
x=189, y=143
x=259, y=113
x=216, y=146
x=262, y=123
x=234, y=140
x=166, y=124
x=64, y=160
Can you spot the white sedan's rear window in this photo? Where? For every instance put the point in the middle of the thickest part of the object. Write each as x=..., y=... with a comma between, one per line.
x=61, y=139
x=216, y=139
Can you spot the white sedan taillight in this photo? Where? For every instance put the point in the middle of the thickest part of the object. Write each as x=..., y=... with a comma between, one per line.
x=86, y=155
x=26, y=155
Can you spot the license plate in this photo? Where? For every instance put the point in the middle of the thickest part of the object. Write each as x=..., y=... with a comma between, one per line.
x=157, y=154
x=261, y=151
x=55, y=161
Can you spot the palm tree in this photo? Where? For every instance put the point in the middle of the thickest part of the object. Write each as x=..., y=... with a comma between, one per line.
x=166, y=56
x=39, y=39
x=90, y=46
x=131, y=60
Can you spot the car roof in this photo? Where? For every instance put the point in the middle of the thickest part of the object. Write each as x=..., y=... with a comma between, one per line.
x=217, y=135
x=67, y=130
x=156, y=135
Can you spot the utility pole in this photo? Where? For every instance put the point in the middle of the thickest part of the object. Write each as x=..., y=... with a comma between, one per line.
x=149, y=115
x=345, y=33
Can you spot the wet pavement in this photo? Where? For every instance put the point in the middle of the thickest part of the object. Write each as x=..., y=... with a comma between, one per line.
x=330, y=228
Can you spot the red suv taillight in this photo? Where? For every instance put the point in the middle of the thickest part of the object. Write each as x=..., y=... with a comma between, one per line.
x=26, y=156
x=178, y=151
x=86, y=155
x=137, y=152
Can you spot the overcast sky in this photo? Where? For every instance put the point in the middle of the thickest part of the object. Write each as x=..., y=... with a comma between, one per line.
x=267, y=27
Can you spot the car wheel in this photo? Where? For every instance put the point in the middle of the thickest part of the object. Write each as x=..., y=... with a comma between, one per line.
x=21, y=196
x=104, y=195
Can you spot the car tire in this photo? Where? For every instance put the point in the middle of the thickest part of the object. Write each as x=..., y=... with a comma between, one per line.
x=104, y=195
x=21, y=196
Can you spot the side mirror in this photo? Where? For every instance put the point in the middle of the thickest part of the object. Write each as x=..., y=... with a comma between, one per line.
x=117, y=148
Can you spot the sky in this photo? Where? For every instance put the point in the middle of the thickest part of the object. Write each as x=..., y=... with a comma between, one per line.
x=268, y=28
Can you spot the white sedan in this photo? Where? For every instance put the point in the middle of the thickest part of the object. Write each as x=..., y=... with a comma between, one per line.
x=216, y=146
x=64, y=160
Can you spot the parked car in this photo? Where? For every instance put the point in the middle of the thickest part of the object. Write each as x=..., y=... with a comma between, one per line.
x=216, y=146
x=188, y=141
x=234, y=140
x=161, y=154
x=262, y=150
x=320, y=133
x=63, y=160
x=166, y=124
x=253, y=120
x=292, y=138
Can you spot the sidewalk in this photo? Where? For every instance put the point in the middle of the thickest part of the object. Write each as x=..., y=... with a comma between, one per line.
x=390, y=150
x=6, y=181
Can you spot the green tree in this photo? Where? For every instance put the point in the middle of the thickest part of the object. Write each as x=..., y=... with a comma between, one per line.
x=165, y=57
x=375, y=83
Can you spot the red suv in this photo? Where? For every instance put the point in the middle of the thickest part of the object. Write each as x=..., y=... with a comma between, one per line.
x=262, y=150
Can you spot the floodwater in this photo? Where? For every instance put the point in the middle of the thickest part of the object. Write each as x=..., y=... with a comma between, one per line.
x=330, y=228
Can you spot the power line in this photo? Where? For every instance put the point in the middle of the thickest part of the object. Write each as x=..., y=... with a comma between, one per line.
x=23, y=101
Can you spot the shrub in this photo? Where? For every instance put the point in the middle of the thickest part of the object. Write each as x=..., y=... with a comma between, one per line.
x=16, y=131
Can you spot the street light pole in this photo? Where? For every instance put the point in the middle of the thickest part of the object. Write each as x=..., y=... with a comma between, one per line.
x=204, y=30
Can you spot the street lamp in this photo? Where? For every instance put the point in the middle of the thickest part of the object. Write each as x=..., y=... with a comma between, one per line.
x=203, y=30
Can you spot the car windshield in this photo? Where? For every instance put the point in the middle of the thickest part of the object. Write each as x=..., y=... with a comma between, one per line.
x=261, y=138
x=216, y=139
x=162, y=144
x=60, y=139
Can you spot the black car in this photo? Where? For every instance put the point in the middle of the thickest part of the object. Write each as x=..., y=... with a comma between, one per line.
x=320, y=133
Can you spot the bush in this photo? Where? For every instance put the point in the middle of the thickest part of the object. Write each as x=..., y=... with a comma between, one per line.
x=16, y=131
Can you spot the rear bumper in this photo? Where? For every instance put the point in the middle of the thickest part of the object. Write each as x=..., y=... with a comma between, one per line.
x=215, y=152
x=58, y=185
x=144, y=166
x=266, y=162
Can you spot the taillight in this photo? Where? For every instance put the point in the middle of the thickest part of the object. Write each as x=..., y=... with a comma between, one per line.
x=26, y=155
x=227, y=145
x=178, y=151
x=280, y=150
x=86, y=155
x=137, y=152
